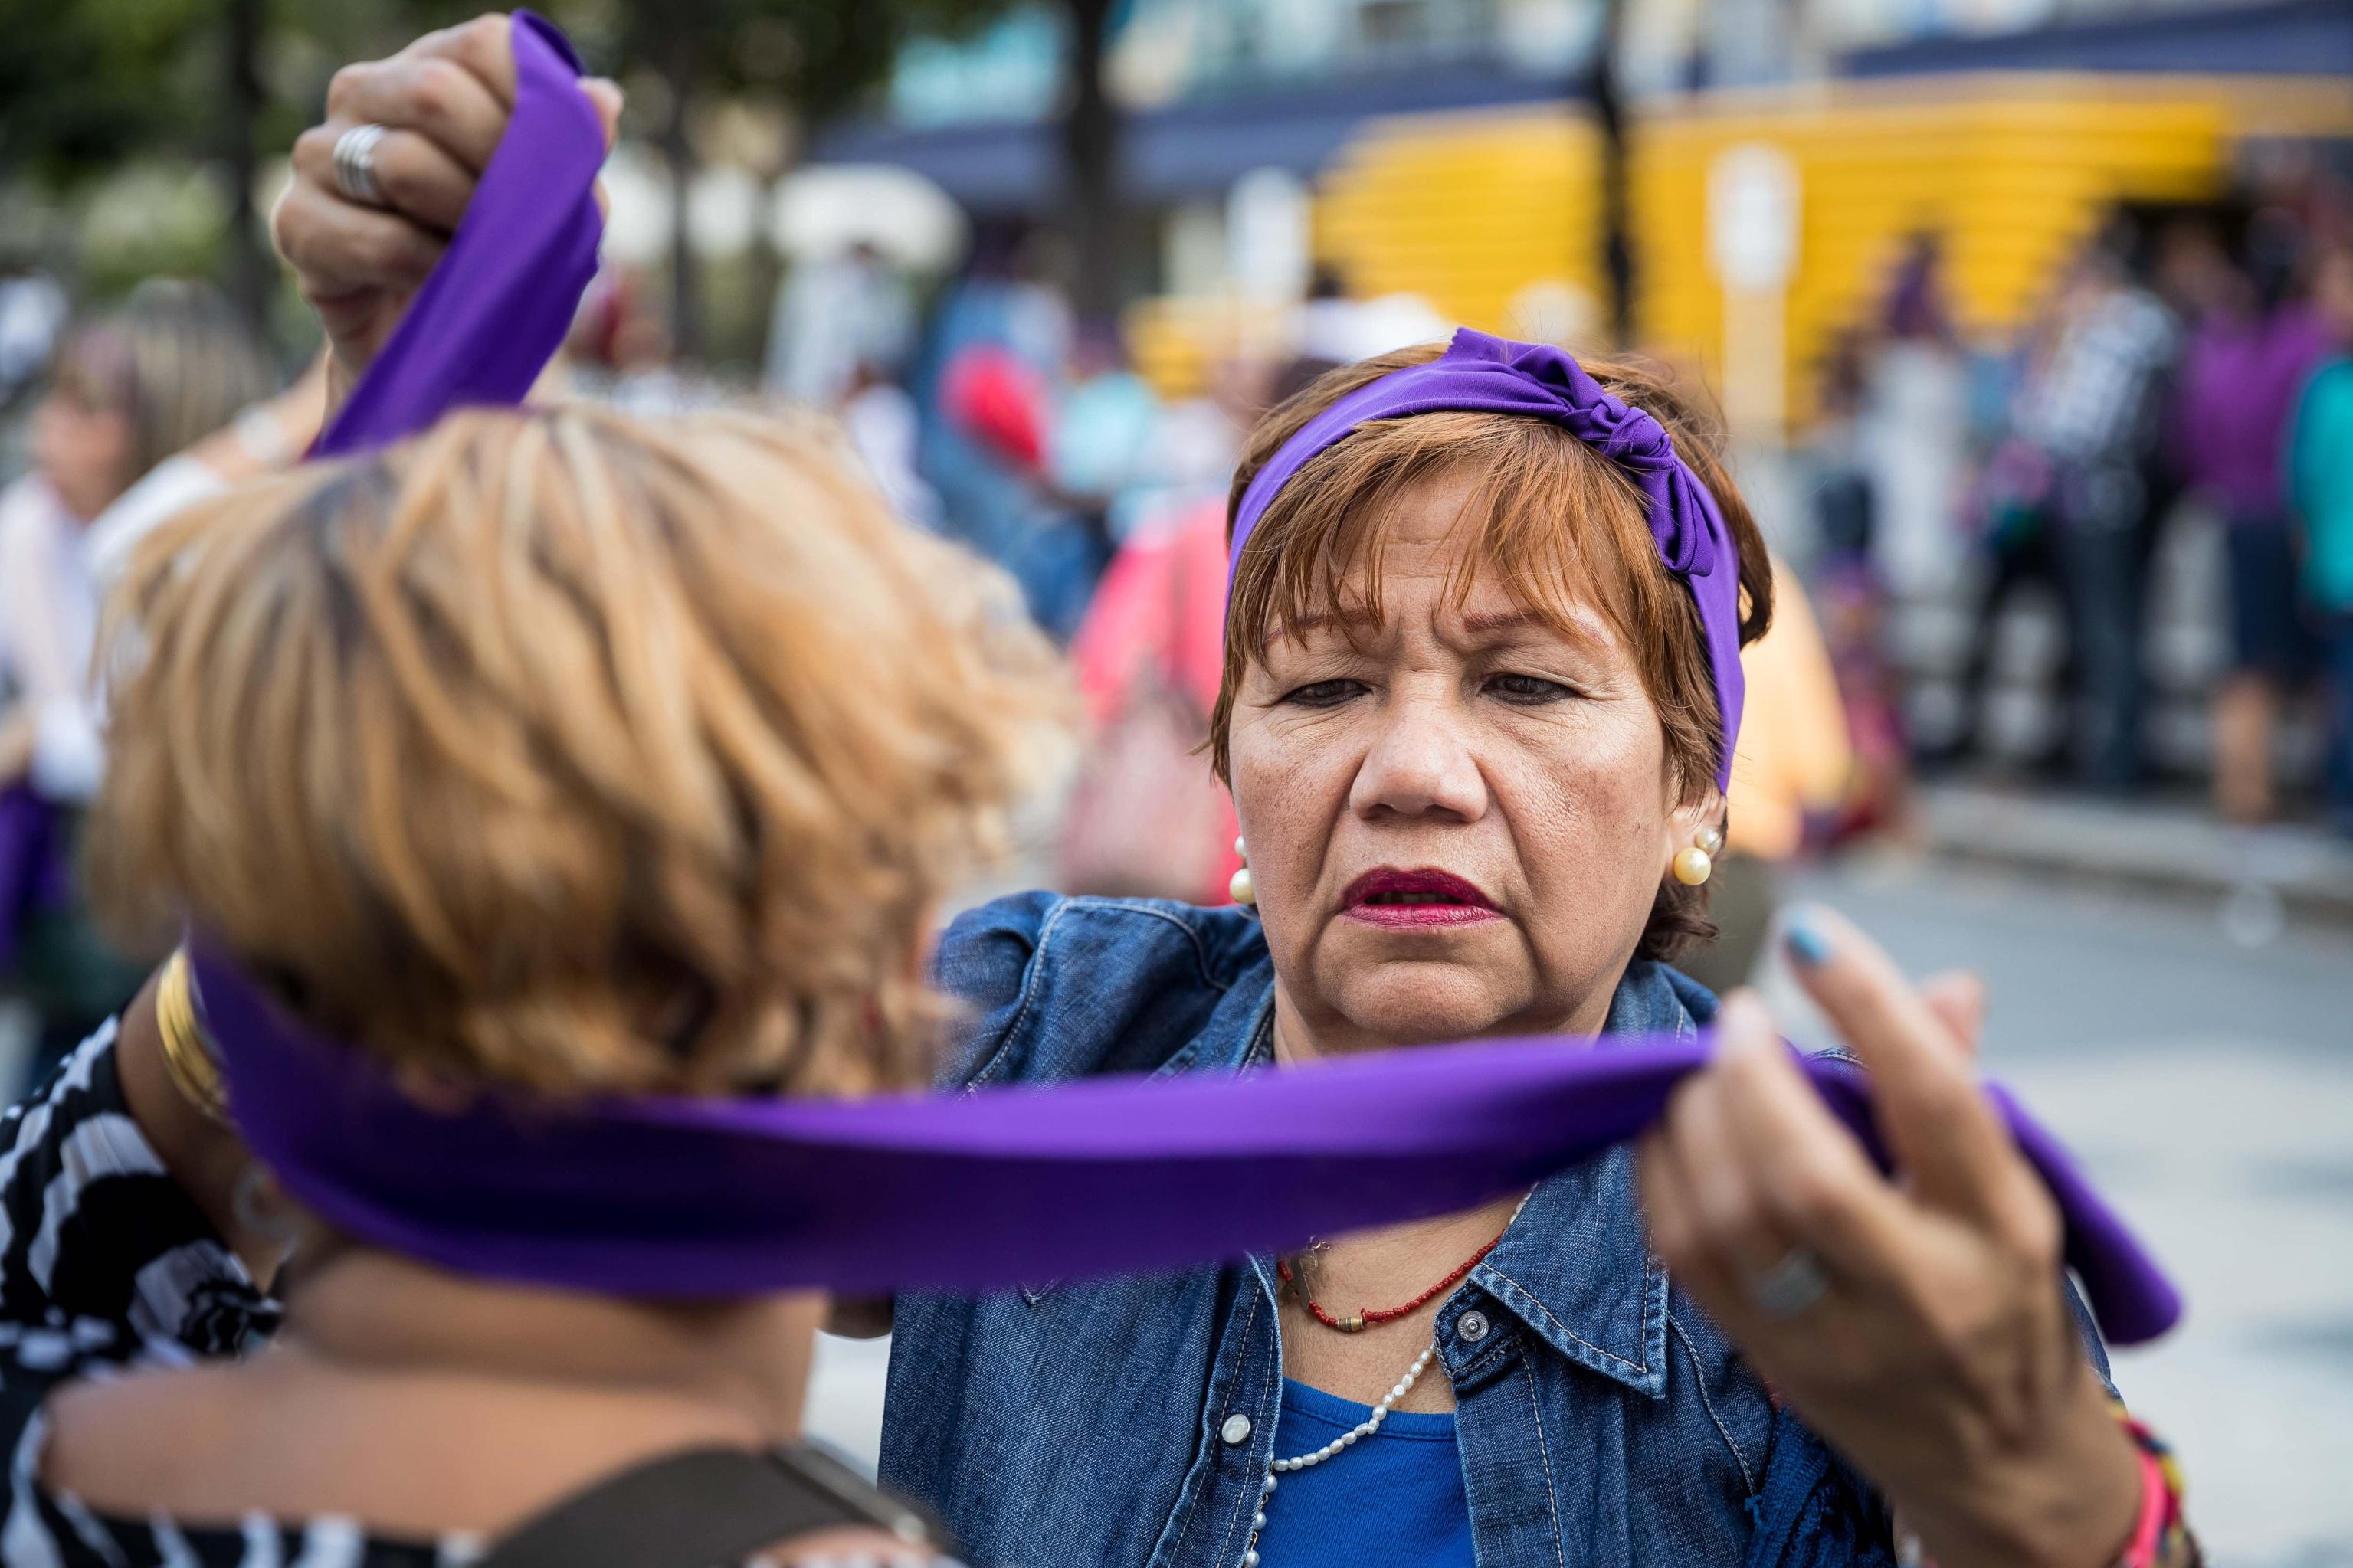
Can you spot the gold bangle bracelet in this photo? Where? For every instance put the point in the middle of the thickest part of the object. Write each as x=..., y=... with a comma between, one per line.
x=194, y=1072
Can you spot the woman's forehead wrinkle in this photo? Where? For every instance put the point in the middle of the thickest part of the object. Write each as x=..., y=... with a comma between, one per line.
x=1497, y=570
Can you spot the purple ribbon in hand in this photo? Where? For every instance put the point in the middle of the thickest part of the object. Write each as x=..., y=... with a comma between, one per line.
x=661, y=1196
x=498, y=305
x=704, y=1197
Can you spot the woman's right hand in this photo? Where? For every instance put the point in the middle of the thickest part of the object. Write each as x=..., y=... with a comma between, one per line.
x=444, y=101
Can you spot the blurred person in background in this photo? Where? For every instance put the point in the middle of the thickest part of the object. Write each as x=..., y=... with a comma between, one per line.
x=1002, y=410
x=884, y=428
x=984, y=383
x=1790, y=777
x=1149, y=657
x=619, y=350
x=1913, y=424
x=834, y=315
x=2321, y=491
x=1102, y=444
x=1199, y=437
x=2251, y=349
x=2010, y=504
x=2093, y=411
x=1324, y=326
x=1837, y=472
x=33, y=309
x=149, y=408
x=1852, y=597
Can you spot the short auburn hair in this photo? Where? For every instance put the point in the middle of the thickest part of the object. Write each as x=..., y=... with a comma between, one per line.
x=1560, y=524
x=573, y=750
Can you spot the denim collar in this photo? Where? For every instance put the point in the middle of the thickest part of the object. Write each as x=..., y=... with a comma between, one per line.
x=1577, y=1266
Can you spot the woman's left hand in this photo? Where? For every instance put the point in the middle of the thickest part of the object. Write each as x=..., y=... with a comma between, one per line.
x=1918, y=1323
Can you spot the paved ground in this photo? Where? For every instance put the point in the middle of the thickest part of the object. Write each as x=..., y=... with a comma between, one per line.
x=2209, y=1084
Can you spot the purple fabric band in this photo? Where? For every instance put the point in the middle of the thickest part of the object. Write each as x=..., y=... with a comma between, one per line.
x=34, y=874
x=1492, y=375
x=994, y=1187
x=497, y=306
x=701, y=1197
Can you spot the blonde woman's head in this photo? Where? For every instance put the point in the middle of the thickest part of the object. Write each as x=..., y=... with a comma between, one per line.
x=571, y=750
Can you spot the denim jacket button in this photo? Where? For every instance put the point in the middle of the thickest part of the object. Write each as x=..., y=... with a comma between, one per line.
x=1237, y=1429
x=1472, y=1326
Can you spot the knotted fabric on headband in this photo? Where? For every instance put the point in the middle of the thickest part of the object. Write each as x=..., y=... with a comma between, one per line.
x=1491, y=376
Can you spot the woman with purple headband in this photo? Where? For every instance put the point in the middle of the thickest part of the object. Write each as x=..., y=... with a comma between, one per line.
x=1481, y=695
x=1480, y=699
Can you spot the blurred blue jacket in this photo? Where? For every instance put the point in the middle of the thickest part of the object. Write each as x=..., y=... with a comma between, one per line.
x=2320, y=478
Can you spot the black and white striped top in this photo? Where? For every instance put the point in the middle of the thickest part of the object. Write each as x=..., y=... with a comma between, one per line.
x=106, y=1264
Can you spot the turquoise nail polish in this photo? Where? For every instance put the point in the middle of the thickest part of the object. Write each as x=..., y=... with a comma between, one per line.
x=1805, y=944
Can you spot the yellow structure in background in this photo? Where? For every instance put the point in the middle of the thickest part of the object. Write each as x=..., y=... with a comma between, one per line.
x=2011, y=175
x=1179, y=343
x=1468, y=211
x=1492, y=215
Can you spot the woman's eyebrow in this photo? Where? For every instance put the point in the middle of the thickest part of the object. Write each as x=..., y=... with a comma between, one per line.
x=1499, y=625
x=1504, y=621
x=1316, y=621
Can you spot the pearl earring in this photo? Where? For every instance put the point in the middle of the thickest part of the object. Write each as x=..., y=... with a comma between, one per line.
x=1693, y=866
x=1241, y=887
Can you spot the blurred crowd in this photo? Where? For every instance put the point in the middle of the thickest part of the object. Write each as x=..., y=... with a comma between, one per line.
x=2184, y=376
x=2189, y=369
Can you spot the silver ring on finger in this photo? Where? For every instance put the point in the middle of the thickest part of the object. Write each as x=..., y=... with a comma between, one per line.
x=354, y=163
x=1790, y=1286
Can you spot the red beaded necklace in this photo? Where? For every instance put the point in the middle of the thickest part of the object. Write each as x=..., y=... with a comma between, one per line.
x=1355, y=1325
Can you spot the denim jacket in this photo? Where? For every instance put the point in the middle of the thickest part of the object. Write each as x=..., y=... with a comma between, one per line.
x=1129, y=1422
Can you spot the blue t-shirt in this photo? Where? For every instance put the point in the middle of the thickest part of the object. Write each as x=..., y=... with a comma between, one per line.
x=1393, y=1498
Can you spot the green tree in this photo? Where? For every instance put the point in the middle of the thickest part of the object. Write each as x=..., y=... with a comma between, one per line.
x=1092, y=208
x=815, y=57
x=91, y=84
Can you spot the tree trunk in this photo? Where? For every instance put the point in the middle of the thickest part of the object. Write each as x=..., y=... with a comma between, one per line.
x=680, y=60
x=1617, y=229
x=247, y=264
x=1090, y=198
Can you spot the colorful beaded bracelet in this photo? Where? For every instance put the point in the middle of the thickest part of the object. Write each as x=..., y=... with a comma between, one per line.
x=2160, y=1537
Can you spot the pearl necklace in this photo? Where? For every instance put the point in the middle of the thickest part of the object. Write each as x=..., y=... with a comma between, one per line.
x=1364, y=1429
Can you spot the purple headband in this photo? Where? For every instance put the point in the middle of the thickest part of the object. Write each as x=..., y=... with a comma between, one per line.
x=704, y=1197
x=1494, y=376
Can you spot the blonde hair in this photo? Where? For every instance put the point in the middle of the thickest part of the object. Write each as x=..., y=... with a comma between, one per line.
x=572, y=750
x=1559, y=525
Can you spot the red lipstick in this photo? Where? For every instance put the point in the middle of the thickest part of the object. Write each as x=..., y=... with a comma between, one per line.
x=1422, y=900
